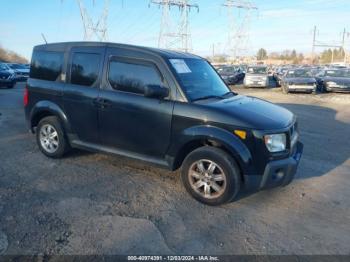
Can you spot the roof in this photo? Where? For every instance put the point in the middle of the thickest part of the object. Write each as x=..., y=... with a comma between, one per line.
x=157, y=51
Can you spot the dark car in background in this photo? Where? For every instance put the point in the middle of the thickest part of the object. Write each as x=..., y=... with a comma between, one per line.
x=279, y=73
x=228, y=74
x=334, y=80
x=21, y=71
x=163, y=107
x=299, y=80
x=7, y=76
x=231, y=74
x=256, y=76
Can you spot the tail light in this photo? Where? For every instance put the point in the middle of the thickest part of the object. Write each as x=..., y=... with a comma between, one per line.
x=26, y=96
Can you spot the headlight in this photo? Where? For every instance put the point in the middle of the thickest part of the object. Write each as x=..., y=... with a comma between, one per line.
x=275, y=142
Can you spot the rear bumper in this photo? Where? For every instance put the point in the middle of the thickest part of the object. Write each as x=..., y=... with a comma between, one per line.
x=281, y=172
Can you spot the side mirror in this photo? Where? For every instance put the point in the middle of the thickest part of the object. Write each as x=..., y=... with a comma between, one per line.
x=156, y=91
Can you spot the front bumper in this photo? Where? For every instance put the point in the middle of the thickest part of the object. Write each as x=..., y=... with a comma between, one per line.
x=338, y=89
x=301, y=88
x=255, y=84
x=7, y=82
x=21, y=78
x=281, y=172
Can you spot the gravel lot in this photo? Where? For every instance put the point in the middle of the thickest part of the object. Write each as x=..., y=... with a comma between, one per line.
x=92, y=203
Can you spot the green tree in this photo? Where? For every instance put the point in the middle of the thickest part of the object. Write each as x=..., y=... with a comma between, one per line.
x=262, y=54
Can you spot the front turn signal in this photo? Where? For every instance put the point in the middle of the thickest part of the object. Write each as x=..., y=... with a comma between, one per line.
x=242, y=134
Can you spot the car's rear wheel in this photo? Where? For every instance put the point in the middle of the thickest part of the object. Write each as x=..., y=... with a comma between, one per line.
x=211, y=176
x=51, y=138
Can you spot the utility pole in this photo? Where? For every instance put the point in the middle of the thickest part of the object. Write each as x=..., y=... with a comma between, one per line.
x=345, y=34
x=313, y=45
x=238, y=37
x=98, y=29
x=213, y=51
x=179, y=38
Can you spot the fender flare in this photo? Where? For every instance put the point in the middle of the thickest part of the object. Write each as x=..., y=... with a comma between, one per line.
x=51, y=108
x=228, y=140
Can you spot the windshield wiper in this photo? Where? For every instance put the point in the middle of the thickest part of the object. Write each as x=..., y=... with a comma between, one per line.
x=214, y=96
x=230, y=92
x=208, y=97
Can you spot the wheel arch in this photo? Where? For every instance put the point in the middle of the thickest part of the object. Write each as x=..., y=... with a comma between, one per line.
x=199, y=136
x=47, y=108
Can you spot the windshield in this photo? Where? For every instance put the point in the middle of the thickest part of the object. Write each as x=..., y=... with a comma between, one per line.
x=198, y=79
x=257, y=70
x=299, y=73
x=338, y=73
x=3, y=67
x=227, y=70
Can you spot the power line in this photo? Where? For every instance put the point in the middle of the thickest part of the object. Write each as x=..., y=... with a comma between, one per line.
x=168, y=37
x=98, y=29
x=238, y=36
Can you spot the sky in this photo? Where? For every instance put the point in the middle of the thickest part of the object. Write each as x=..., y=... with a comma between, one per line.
x=277, y=25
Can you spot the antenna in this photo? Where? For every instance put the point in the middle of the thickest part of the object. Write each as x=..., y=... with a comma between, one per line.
x=238, y=38
x=169, y=38
x=43, y=36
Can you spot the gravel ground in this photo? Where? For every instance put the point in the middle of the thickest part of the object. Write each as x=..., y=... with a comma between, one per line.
x=89, y=203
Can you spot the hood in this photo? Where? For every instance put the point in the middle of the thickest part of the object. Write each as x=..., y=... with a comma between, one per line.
x=338, y=80
x=253, y=113
x=256, y=75
x=300, y=80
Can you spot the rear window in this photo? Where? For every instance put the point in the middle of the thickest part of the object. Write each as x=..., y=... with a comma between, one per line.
x=46, y=65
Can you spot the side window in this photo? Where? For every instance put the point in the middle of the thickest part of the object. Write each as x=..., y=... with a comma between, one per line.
x=85, y=68
x=46, y=65
x=132, y=77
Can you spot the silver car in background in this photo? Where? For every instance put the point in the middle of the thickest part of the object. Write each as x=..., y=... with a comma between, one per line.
x=256, y=76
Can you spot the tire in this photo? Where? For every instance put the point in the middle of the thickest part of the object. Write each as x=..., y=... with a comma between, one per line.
x=11, y=86
x=57, y=143
x=225, y=174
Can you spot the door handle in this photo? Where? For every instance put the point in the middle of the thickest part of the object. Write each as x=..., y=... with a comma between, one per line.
x=100, y=102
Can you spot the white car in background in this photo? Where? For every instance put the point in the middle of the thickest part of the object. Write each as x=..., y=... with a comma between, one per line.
x=256, y=76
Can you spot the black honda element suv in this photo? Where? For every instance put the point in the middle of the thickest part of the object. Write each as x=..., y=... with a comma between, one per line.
x=163, y=107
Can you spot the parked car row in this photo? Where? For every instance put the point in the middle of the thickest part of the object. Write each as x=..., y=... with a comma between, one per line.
x=10, y=73
x=315, y=79
x=291, y=78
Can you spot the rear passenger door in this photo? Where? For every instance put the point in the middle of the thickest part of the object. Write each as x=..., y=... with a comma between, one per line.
x=82, y=90
x=130, y=121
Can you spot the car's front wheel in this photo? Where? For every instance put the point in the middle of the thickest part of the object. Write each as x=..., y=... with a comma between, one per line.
x=51, y=138
x=211, y=176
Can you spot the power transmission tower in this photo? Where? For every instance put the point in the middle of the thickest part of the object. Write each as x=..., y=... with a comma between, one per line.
x=238, y=37
x=179, y=38
x=91, y=29
x=316, y=43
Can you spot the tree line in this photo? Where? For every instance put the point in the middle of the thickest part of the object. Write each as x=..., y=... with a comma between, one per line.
x=291, y=56
x=11, y=57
